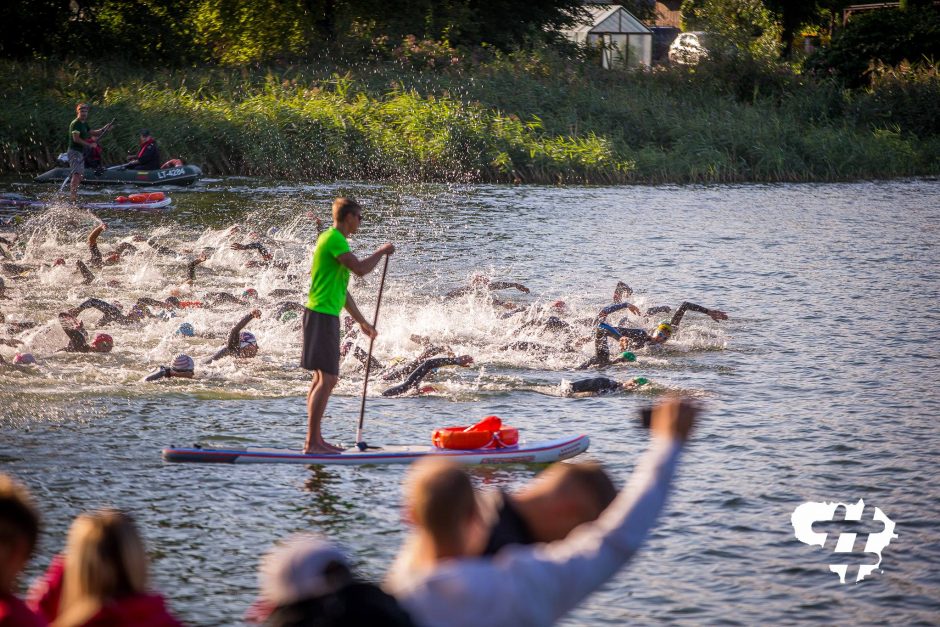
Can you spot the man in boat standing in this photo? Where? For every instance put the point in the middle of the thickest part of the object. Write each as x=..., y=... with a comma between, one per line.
x=81, y=137
x=148, y=157
x=329, y=279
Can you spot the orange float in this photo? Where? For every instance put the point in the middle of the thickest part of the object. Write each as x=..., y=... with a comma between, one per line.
x=488, y=433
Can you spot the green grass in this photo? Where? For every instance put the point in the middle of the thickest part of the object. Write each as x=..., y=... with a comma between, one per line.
x=513, y=119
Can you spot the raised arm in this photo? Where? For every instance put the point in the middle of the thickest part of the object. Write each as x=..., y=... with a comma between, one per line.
x=232, y=343
x=72, y=328
x=264, y=252
x=502, y=285
x=93, y=243
x=191, y=269
x=609, y=309
x=109, y=310
x=714, y=314
x=560, y=574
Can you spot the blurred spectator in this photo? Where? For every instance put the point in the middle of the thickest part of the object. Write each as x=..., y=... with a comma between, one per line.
x=19, y=530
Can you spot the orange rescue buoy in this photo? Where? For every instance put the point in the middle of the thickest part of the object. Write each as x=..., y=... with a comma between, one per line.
x=488, y=433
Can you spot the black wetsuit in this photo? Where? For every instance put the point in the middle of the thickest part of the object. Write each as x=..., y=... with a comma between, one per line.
x=597, y=385
x=78, y=340
x=111, y=312
x=420, y=372
x=510, y=527
x=638, y=337
x=87, y=275
x=233, y=345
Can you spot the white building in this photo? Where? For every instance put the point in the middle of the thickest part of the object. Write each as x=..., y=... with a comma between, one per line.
x=625, y=42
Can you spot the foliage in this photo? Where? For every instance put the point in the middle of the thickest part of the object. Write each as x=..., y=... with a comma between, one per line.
x=887, y=36
x=747, y=26
x=525, y=117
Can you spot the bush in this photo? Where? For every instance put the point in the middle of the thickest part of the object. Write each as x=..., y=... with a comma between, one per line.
x=885, y=36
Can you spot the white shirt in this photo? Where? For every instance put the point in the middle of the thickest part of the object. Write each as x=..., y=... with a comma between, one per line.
x=538, y=584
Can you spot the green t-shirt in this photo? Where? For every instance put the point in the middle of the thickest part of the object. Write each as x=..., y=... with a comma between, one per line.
x=328, y=277
x=84, y=131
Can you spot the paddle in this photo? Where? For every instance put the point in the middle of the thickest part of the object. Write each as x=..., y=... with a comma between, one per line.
x=365, y=384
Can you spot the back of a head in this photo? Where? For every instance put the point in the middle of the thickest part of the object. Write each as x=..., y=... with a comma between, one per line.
x=587, y=483
x=105, y=559
x=440, y=500
x=19, y=519
x=343, y=206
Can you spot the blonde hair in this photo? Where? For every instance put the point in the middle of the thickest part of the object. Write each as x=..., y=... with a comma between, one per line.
x=441, y=499
x=105, y=560
x=343, y=206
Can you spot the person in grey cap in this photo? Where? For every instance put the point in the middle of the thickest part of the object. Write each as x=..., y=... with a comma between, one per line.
x=308, y=581
x=148, y=157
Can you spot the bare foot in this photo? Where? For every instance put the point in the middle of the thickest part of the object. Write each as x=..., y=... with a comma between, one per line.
x=323, y=449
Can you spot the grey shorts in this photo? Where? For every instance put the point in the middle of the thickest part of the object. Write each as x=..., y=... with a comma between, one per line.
x=321, y=342
x=76, y=162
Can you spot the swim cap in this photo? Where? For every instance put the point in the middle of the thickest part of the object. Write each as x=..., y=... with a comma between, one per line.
x=627, y=355
x=250, y=293
x=104, y=342
x=641, y=381
x=287, y=316
x=665, y=328
x=24, y=359
x=59, y=262
x=113, y=258
x=559, y=305
x=186, y=330
x=172, y=300
x=246, y=338
x=182, y=363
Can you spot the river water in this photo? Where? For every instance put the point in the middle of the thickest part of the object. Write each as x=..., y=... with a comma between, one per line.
x=821, y=386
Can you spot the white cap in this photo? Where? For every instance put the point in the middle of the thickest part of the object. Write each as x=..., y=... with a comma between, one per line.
x=295, y=570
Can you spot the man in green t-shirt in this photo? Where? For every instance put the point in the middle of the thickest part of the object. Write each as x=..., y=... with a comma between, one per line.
x=329, y=278
x=80, y=137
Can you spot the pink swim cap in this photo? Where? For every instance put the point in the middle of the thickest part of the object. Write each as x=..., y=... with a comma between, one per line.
x=24, y=359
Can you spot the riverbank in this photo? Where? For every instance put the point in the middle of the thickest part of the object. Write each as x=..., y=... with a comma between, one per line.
x=526, y=119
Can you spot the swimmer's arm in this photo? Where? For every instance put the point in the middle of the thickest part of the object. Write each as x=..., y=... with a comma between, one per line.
x=191, y=269
x=106, y=308
x=70, y=325
x=609, y=309
x=161, y=373
x=220, y=353
x=87, y=276
x=502, y=285
x=714, y=314
x=233, y=334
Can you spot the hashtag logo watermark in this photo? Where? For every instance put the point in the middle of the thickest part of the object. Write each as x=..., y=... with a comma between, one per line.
x=842, y=545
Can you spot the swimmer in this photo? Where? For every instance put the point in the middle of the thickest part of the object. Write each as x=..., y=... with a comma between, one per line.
x=241, y=344
x=479, y=282
x=97, y=260
x=183, y=367
x=428, y=367
x=222, y=298
x=602, y=385
x=78, y=337
x=638, y=338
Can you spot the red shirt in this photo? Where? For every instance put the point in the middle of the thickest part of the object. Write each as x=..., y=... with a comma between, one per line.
x=15, y=613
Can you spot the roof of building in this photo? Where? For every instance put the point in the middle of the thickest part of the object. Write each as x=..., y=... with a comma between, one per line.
x=608, y=18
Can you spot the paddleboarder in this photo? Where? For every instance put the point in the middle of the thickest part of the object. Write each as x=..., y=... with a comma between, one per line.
x=80, y=137
x=329, y=279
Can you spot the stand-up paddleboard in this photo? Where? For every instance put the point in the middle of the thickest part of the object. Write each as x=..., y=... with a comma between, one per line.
x=123, y=206
x=524, y=453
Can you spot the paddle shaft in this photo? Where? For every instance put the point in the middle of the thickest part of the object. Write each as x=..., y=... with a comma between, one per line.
x=365, y=383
